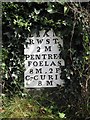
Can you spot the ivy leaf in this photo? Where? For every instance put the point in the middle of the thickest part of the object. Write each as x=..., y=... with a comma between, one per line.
x=36, y=11
x=61, y=115
x=66, y=10
x=50, y=9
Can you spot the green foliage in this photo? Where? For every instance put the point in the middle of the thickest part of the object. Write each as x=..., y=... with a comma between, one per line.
x=18, y=107
x=70, y=21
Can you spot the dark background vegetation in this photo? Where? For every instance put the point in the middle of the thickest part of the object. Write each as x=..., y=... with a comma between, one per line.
x=71, y=22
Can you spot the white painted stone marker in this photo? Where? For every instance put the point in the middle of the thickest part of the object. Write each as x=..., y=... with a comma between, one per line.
x=42, y=60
